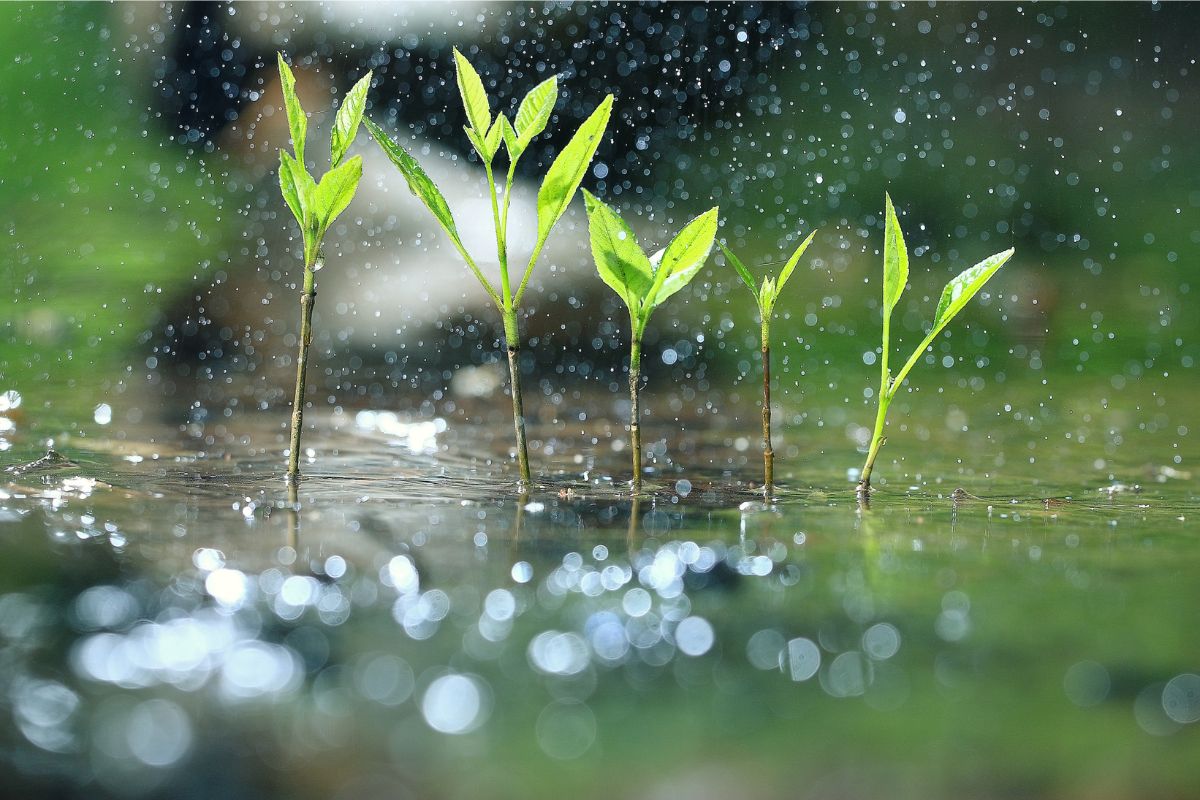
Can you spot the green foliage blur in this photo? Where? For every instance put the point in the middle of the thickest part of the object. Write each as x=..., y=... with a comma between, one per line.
x=102, y=218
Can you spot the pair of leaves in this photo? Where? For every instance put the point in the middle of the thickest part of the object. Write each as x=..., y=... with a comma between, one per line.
x=487, y=133
x=955, y=296
x=568, y=168
x=315, y=205
x=644, y=283
x=768, y=292
x=562, y=179
x=484, y=134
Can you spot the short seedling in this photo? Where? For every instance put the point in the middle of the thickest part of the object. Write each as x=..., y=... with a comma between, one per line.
x=644, y=283
x=558, y=188
x=955, y=296
x=766, y=294
x=315, y=205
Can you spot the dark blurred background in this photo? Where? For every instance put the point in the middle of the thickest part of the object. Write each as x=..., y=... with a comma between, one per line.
x=143, y=241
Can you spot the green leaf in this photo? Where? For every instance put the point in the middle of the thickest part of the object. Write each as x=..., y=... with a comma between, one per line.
x=297, y=122
x=567, y=171
x=474, y=97
x=621, y=262
x=336, y=189
x=418, y=182
x=495, y=136
x=790, y=267
x=288, y=185
x=311, y=225
x=683, y=257
x=479, y=143
x=534, y=111
x=345, y=124
x=306, y=188
x=767, y=297
x=964, y=286
x=511, y=143
x=742, y=272
x=895, y=260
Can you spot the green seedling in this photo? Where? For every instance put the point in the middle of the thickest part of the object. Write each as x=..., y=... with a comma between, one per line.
x=486, y=134
x=644, y=283
x=955, y=296
x=766, y=294
x=315, y=205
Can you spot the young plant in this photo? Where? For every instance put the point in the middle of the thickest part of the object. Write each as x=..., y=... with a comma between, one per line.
x=955, y=296
x=315, y=205
x=644, y=283
x=766, y=294
x=486, y=134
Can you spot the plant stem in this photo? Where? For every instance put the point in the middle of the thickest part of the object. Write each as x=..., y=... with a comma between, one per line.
x=635, y=408
x=307, y=299
x=877, y=440
x=885, y=399
x=768, y=451
x=501, y=244
x=513, y=342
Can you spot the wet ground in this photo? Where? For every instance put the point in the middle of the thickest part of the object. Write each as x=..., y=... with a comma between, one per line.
x=171, y=627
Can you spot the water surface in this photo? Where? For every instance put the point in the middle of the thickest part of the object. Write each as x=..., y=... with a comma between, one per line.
x=172, y=627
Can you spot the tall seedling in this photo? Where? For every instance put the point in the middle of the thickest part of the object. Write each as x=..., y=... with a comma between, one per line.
x=486, y=134
x=955, y=296
x=643, y=283
x=765, y=294
x=315, y=205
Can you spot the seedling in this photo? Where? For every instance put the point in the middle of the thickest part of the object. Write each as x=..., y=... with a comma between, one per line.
x=486, y=134
x=766, y=294
x=955, y=296
x=315, y=205
x=643, y=283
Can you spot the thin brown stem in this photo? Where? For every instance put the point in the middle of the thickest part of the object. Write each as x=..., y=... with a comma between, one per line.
x=514, y=372
x=307, y=300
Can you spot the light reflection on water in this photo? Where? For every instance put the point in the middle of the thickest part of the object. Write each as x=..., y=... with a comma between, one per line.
x=392, y=616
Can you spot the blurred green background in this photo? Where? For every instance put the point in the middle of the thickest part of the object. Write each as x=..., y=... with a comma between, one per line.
x=141, y=221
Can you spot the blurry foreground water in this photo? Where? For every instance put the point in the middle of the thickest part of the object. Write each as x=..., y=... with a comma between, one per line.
x=170, y=627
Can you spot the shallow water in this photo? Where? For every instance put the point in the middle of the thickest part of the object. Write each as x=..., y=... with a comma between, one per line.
x=170, y=626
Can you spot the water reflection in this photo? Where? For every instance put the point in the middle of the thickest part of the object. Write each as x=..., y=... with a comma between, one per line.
x=545, y=623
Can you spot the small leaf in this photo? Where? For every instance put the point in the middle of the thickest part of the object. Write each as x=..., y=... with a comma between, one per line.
x=418, y=182
x=336, y=189
x=510, y=138
x=495, y=136
x=767, y=297
x=619, y=259
x=791, y=264
x=311, y=225
x=288, y=185
x=479, y=143
x=895, y=259
x=742, y=272
x=474, y=97
x=306, y=188
x=297, y=122
x=683, y=257
x=534, y=111
x=345, y=124
x=964, y=286
x=567, y=171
